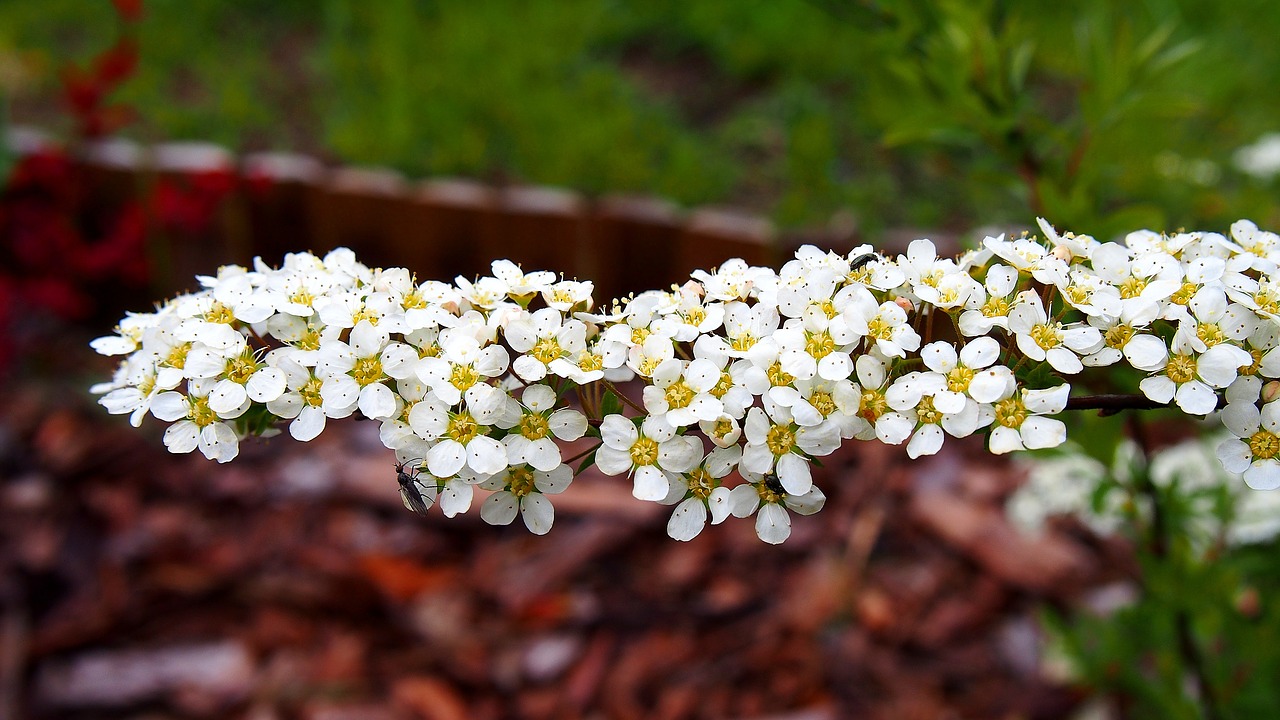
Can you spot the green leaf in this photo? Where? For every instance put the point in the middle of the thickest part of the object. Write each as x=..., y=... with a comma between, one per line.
x=610, y=405
x=587, y=462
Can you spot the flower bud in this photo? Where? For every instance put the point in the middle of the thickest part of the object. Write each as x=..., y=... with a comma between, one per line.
x=1271, y=391
x=904, y=303
x=1063, y=253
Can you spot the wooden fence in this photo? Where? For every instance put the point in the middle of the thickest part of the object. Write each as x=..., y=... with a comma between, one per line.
x=439, y=228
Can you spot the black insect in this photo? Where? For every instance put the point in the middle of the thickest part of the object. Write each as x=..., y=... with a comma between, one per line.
x=774, y=484
x=410, y=493
x=862, y=260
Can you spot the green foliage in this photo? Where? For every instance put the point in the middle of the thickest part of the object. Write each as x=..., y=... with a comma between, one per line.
x=1103, y=116
x=1193, y=643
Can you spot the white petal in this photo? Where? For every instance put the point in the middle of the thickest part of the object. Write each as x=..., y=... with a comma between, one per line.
x=182, y=437
x=309, y=423
x=793, y=472
x=377, y=401
x=773, y=524
x=650, y=483
x=500, y=508
x=1263, y=475
x=688, y=519
x=446, y=458
x=456, y=497
x=539, y=514
x=486, y=455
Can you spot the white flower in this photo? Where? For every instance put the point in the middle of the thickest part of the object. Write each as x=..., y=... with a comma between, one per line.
x=1019, y=424
x=197, y=424
x=773, y=524
x=302, y=402
x=1040, y=339
x=531, y=438
x=547, y=342
x=650, y=451
x=240, y=378
x=886, y=323
x=681, y=394
x=462, y=367
x=461, y=440
x=522, y=490
x=1254, y=449
x=705, y=495
x=354, y=373
x=990, y=307
x=776, y=442
x=521, y=285
x=1191, y=380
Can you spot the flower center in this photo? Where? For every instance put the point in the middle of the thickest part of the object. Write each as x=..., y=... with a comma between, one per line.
x=310, y=391
x=1011, y=413
x=546, y=350
x=413, y=300
x=822, y=401
x=240, y=369
x=648, y=365
x=1267, y=301
x=926, y=413
x=368, y=370
x=1132, y=287
x=743, y=342
x=1181, y=368
x=1118, y=336
x=780, y=440
x=872, y=405
x=639, y=335
x=723, y=428
x=679, y=395
x=879, y=329
x=200, y=413
x=177, y=356
x=302, y=296
x=694, y=316
x=1184, y=293
x=590, y=362
x=777, y=376
x=701, y=483
x=534, y=426
x=1264, y=445
x=463, y=377
x=1255, y=366
x=995, y=307
x=770, y=490
x=310, y=340
x=521, y=481
x=959, y=377
x=1047, y=336
x=819, y=344
x=722, y=387
x=1210, y=334
x=828, y=308
x=364, y=314
x=462, y=427
x=1078, y=294
x=644, y=451
x=220, y=313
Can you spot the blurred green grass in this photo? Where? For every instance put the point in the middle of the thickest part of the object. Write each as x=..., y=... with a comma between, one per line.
x=907, y=113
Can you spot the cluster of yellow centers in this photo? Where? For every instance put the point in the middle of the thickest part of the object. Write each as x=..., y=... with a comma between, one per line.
x=1047, y=336
x=678, y=394
x=1118, y=336
x=534, y=426
x=872, y=405
x=1181, y=368
x=177, y=357
x=242, y=367
x=219, y=313
x=1132, y=287
x=367, y=370
x=819, y=344
x=701, y=483
x=777, y=376
x=590, y=362
x=780, y=440
x=546, y=350
x=1011, y=413
x=926, y=413
x=463, y=377
x=995, y=307
x=310, y=391
x=462, y=427
x=822, y=401
x=644, y=451
x=200, y=413
x=959, y=377
x=521, y=481
x=1264, y=445
x=1210, y=334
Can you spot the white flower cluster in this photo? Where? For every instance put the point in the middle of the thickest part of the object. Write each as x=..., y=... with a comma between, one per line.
x=748, y=373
